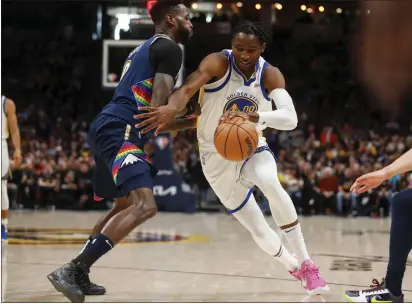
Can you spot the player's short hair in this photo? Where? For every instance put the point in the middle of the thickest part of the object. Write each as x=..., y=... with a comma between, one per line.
x=253, y=28
x=163, y=7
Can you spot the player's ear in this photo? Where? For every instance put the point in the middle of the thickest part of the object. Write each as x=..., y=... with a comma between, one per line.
x=170, y=20
x=263, y=47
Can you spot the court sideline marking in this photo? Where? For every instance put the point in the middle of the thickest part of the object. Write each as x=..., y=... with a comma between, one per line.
x=192, y=273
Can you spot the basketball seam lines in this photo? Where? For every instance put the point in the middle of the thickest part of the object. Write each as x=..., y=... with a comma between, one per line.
x=216, y=134
x=240, y=126
x=238, y=141
x=228, y=133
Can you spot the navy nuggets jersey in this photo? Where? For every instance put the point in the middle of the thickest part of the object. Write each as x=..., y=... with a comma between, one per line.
x=136, y=84
x=117, y=146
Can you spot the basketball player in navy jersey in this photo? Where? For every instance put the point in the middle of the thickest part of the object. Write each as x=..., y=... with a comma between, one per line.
x=390, y=289
x=385, y=67
x=123, y=171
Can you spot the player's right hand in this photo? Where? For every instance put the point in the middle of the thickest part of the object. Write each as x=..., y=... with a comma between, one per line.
x=369, y=181
x=231, y=114
x=155, y=118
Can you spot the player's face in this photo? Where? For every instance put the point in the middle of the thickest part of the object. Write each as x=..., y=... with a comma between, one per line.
x=246, y=50
x=183, y=26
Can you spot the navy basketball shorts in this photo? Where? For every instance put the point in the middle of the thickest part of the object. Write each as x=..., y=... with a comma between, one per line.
x=121, y=164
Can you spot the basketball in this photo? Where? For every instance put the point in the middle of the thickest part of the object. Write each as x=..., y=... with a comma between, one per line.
x=236, y=139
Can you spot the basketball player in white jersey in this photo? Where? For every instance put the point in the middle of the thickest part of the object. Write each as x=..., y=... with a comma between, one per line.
x=240, y=82
x=9, y=126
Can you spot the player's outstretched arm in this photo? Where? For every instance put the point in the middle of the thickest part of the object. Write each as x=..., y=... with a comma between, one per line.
x=374, y=179
x=184, y=123
x=214, y=65
x=401, y=165
x=10, y=110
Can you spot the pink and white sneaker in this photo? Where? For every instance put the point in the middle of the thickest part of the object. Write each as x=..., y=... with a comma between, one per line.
x=314, y=282
x=296, y=274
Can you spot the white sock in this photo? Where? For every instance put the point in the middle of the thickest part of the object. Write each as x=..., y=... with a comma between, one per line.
x=4, y=201
x=287, y=259
x=297, y=242
x=252, y=218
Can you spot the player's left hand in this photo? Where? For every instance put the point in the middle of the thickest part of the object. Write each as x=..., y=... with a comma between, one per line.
x=17, y=158
x=232, y=114
x=155, y=118
x=368, y=181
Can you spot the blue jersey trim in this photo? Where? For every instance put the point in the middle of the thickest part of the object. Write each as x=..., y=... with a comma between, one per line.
x=226, y=80
x=258, y=150
x=245, y=81
x=262, y=85
x=243, y=203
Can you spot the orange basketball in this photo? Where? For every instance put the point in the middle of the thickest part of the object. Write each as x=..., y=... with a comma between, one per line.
x=236, y=139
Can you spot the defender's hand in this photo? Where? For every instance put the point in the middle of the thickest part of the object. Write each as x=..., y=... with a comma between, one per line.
x=368, y=181
x=155, y=118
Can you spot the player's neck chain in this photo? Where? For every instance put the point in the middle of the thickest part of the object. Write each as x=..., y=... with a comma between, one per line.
x=161, y=32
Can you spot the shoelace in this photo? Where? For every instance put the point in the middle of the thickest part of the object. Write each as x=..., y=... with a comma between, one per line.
x=84, y=279
x=311, y=271
x=92, y=285
x=308, y=272
x=72, y=274
x=85, y=282
x=376, y=286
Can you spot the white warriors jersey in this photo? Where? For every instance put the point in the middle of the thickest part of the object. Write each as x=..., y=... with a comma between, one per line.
x=4, y=125
x=231, y=93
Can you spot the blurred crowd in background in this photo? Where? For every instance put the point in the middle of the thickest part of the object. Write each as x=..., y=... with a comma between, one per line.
x=51, y=69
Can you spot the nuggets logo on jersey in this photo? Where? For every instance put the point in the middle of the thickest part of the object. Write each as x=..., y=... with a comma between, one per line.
x=241, y=102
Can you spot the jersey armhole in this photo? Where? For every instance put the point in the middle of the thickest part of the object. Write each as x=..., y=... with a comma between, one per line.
x=200, y=99
x=219, y=84
x=3, y=101
x=262, y=85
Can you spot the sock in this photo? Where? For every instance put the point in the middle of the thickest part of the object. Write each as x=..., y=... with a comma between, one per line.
x=287, y=259
x=400, y=240
x=253, y=220
x=88, y=243
x=97, y=248
x=4, y=222
x=4, y=203
x=296, y=241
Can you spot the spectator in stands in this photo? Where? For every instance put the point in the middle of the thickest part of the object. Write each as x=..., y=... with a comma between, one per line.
x=68, y=195
x=317, y=162
x=47, y=185
x=328, y=186
x=346, y=201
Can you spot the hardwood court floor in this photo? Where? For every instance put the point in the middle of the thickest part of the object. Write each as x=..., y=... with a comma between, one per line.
x=191, y=258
